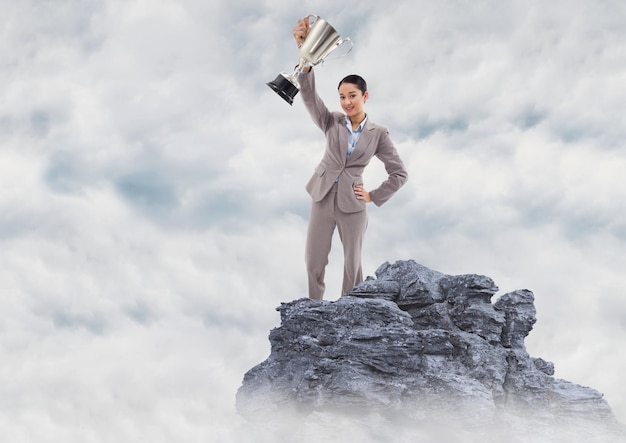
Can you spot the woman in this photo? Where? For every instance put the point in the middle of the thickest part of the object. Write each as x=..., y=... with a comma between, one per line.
x=336, y=187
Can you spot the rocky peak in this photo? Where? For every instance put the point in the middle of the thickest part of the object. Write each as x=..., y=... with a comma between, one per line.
x=416, y=346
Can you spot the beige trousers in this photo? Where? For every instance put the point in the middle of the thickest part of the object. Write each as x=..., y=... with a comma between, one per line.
x=324, y=217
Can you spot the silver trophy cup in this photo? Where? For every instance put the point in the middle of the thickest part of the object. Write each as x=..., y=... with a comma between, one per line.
x=321, y=40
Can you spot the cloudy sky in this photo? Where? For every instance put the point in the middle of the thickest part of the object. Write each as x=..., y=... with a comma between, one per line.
x=152, y=203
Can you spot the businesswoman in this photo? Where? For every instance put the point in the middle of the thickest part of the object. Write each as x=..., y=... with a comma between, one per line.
x=336, y=187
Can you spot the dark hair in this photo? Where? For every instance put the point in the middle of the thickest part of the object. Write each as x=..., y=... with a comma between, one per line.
x=355, y=80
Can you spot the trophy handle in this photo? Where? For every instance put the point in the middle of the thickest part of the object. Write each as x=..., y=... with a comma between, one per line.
x=348, y=40
x=315, y=18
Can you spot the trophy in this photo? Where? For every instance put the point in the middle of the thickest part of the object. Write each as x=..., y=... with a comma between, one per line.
x=321, y=40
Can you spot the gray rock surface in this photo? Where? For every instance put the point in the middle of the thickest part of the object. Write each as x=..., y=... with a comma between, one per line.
x=417, y=349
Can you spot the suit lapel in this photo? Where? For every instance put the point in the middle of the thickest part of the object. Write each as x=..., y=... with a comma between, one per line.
x=342, y=136
x=364, y=141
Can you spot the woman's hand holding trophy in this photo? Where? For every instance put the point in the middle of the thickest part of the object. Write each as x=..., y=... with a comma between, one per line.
x=315, y=41
x=301, y=30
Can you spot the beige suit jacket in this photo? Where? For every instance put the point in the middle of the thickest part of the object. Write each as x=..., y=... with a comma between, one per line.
x=374, y=141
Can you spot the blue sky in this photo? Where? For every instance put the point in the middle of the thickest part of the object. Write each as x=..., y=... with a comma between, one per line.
x=152, y=203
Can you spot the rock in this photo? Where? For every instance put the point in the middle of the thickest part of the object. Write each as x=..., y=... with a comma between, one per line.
x=416, y=348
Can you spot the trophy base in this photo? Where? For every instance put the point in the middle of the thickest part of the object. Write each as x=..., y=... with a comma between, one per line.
x=283, y=87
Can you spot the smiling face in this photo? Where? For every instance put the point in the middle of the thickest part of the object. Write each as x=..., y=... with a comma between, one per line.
x=352, y=101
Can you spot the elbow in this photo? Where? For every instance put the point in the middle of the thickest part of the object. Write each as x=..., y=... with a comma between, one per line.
x=403, y=176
